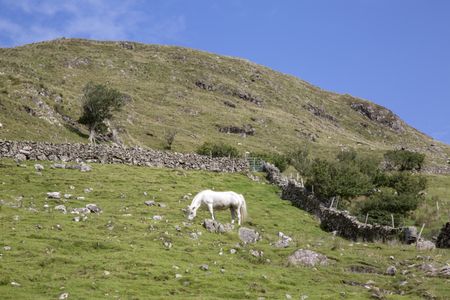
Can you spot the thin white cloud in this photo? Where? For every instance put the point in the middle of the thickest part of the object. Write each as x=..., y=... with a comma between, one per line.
x=96, y=19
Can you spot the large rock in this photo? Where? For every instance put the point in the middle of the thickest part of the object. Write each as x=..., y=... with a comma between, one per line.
x=54, y=195
x=425, y=245
x=307, y=258
x=409, y=235
x=443, y=239
x=215, y=226
x=93, y=208
x=248, y=235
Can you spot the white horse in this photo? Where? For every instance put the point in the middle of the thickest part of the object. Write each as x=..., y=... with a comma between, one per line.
x=219, y=200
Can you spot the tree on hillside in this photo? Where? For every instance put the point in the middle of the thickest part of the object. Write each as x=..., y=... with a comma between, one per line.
x=99, y=103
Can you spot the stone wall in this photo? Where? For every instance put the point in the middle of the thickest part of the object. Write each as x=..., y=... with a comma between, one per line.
x=108, y=154
x=332, y=220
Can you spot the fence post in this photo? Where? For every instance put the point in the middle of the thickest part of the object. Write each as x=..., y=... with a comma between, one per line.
x=367, y=216
x=393, y=224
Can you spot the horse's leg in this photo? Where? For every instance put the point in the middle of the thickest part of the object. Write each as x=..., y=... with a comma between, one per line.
x=210, y=208
x=233, y=214
x=238, y=210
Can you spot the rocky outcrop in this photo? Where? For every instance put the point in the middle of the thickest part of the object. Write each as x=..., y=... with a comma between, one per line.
x=379, y=114
x=109, y=154
x=243, y=131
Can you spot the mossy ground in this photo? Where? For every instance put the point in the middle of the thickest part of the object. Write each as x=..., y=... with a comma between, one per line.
x=128, y=244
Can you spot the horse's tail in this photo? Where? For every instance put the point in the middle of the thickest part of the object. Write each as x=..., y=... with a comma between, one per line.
x=243, y=209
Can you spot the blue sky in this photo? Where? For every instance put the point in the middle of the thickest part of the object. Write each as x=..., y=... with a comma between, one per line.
x=395, y=53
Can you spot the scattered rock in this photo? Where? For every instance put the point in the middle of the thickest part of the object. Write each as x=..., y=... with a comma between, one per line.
x=93, y=208
x=7, y=248
x=256, y=253
x=150, y=203
x=307, y=258
x=284, y=241
x=81, y=198
x=162, y=205
x=58, y=166
x=425, y=245
x=38, y=167
x=67, y=196
x=61, y=208
x=248, y=235
x=204, y=267
x=233, y=251
x=178, y=276
x=15, y=284
x=76, y=219
x=444, y=271
x=194, y=235
x=106, y=273
x=85, y=168
x=80, y=210
x=215, y=226
x=157, y=218
x=63, y=296
x=54, y=195
x=391, y=270
x=88, y=190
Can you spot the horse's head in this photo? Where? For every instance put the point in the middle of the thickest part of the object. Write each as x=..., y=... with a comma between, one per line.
x=191, y=212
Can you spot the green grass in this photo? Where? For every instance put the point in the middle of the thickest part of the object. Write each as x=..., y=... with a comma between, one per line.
x=124, y=241
x=434, y=212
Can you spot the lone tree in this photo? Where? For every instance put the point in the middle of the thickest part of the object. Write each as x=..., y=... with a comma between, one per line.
x=99, y=103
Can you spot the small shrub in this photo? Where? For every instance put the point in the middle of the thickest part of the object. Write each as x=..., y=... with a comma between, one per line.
x=169, y=138
x=217, y=150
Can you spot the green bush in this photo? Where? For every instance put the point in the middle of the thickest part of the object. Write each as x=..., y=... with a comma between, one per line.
x=217, y=150
x=338, y=179
x=381, y=205
x=403, y=160
x=280, y=161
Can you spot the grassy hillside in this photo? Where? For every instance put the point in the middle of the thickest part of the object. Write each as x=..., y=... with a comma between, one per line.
x=123, y=253
x=193, y=93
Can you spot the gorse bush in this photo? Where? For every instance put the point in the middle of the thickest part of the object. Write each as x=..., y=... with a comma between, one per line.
x=403, y=160
x=217, y=150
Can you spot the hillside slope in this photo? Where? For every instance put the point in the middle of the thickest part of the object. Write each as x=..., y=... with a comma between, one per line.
x=125, y=253
x=200, y=96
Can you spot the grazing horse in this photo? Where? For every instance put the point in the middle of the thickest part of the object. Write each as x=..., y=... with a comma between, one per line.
x=219, y=200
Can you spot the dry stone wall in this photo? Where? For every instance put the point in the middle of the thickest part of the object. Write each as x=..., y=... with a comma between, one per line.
x=109, y=154
x=332, y=220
